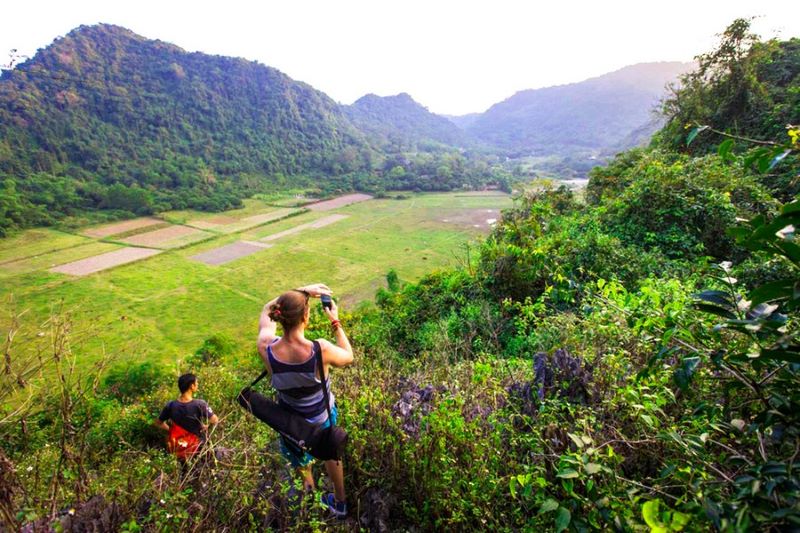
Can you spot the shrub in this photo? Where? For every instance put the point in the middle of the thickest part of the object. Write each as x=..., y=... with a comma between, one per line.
x=683, y=206
x=213, y=349
x=133, y=380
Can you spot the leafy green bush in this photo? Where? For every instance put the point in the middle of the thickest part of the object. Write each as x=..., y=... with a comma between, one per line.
x=214, y=349
x=683, y=206
x=129, y=381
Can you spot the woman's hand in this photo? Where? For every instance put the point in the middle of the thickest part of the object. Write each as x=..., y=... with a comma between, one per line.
x=316, y=290
x=333, y=312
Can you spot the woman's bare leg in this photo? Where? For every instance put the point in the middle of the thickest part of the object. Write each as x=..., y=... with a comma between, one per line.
x=307, y=476
x=336, y=473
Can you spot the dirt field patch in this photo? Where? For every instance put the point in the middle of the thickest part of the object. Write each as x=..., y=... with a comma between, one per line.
x=116, y=228
x=203, y=224
x=221, y=220
x=230, y=252
x=53, y=259
x=321, y=223
x=257, y=220
x=266, y=217
x=474, y=218
x=212, y=222
x=104, y=261
x=341, y=201
x=167, y=237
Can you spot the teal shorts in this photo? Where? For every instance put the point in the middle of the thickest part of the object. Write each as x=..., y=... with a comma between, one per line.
x=297, y=457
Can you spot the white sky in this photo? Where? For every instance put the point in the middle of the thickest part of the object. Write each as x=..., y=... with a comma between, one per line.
x=454, y=57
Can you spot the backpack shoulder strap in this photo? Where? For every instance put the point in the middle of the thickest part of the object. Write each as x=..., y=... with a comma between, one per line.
x=325, y=394
x=259, y=378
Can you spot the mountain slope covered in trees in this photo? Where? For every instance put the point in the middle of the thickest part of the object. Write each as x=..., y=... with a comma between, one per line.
x=104, y=117
x=588, y=116
x=398, y=122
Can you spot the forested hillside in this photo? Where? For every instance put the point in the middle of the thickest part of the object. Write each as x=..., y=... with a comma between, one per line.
x=103, y=119
x=623, y=360
x=422, y=150
x=590, y=115
x=106, y=118
x=398, y=123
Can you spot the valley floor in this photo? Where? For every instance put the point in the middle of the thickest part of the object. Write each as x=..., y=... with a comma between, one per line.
x=154, y=288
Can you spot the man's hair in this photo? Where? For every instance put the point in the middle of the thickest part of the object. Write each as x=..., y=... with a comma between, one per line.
x=186, y=381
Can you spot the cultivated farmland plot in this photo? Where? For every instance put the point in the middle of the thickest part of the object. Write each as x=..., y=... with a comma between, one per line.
x=169, y=237
x=163, y=306
x=90, y=265
x=117, y=228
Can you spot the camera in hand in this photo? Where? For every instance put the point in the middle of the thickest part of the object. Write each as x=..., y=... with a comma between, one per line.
x=327, y=302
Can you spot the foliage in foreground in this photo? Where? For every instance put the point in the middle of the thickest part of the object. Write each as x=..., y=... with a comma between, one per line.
x=583, y=372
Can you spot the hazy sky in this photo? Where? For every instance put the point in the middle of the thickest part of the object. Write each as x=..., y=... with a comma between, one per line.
x=452, y=56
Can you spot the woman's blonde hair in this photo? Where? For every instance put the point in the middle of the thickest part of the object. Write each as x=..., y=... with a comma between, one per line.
x=290, y=309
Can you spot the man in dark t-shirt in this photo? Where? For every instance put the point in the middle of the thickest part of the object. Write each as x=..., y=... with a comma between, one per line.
x=192, y=415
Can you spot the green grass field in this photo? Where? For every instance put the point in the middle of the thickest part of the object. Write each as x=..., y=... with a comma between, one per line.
x=163, y=307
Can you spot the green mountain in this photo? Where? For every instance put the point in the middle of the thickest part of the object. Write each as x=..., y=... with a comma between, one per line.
x=463, y=121
x=398, y=122
x=104, y=107
x=589, y=116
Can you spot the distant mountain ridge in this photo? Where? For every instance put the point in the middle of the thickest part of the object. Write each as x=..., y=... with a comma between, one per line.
x=399, y=121
x=593, y=115
x=106, y=119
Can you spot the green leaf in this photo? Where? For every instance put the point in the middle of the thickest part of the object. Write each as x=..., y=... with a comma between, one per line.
x=724, y=150
x=567, y=473
x=679, y=521
x=651, y=516
x=779, y=354
x=577, y=440
x=592, y=468
x=693, y=134
x=774, y=290
x=684, y=374
x=714, y=310
x=791, y=207
x=720, y=298
x=756, y=155
x=563, y=518
x=791, y=251
x=548, y=505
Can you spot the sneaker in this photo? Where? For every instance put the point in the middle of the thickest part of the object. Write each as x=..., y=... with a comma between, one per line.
x=339, y=509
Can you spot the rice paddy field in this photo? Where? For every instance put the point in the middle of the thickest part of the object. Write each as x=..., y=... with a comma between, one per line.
x=155, y=289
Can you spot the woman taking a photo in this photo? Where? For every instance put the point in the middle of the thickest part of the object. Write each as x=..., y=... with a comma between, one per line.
x=292, y=365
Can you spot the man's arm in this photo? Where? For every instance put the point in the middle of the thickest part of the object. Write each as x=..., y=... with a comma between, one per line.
x=161, y=421
x=210, y=418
